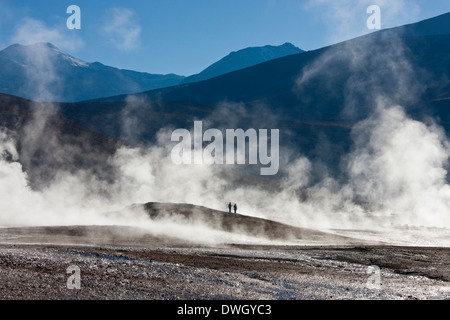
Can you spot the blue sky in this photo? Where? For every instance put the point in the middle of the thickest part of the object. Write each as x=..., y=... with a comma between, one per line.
x=186, y=36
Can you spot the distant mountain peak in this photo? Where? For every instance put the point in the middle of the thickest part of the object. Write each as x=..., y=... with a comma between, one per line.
x=244, y=58
x=72, y=79
x=34, y=46
x=44, y=44
x=24, y=53
x=288, y=45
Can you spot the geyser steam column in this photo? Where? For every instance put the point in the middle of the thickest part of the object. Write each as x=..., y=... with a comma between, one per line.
x=213, y=153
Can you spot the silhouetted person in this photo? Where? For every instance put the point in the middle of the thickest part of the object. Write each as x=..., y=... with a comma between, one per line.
x=235, y=208
x=229, y=207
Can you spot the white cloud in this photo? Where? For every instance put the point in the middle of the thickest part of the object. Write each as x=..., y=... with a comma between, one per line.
x=122, y=29
x=31, y=31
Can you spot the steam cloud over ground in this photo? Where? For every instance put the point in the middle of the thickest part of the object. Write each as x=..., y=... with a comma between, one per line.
x=395, y=173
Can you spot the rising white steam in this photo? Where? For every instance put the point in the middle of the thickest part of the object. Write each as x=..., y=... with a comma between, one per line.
x=396, y=169
x=399, y=164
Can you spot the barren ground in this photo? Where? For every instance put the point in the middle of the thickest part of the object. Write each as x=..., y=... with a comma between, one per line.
x=123, y=263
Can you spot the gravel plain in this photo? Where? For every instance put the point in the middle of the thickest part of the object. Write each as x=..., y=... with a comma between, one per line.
x=118, y=263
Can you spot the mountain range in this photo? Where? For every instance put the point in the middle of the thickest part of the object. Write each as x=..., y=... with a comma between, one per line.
x=42, y=72
x=244, y=58
x=315, y=98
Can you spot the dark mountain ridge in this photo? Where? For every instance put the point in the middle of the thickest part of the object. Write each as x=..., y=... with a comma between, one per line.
x=244, y=58
x=42, y=72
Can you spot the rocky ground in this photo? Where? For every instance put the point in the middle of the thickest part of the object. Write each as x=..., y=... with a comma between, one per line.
x=120, y=263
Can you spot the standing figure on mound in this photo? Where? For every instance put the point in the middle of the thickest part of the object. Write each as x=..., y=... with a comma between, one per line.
x=229, y=207
x=235, y=208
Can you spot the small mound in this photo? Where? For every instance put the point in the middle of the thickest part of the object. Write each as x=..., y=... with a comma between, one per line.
x=236, y=223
